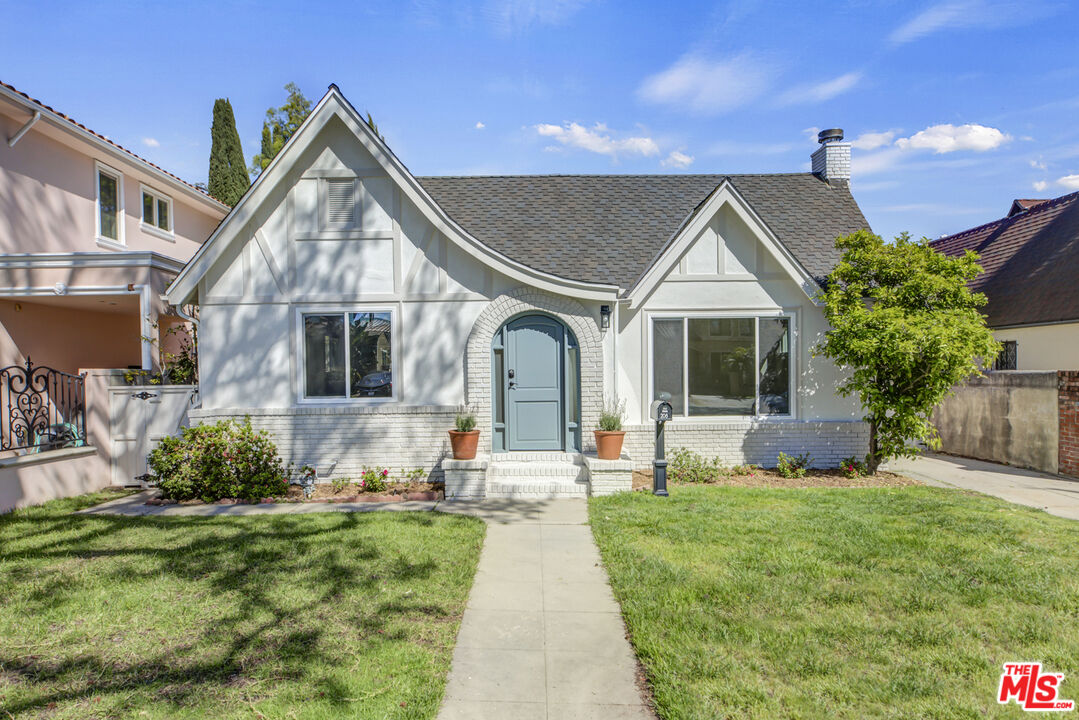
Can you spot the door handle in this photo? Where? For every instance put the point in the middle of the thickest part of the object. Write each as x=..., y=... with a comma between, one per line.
x=511, y=374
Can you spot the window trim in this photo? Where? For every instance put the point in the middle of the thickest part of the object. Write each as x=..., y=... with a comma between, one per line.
x=344, y=310
x=150, y=227
x=790, y=314
x=120, y=242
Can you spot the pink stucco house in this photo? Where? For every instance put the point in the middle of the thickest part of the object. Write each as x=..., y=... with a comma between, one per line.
x=90, y=236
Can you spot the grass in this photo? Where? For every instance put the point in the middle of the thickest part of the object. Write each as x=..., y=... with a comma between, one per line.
x=307, y=616
x=839, y=603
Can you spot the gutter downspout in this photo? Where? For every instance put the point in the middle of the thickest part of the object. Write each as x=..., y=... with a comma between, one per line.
x=24, y=129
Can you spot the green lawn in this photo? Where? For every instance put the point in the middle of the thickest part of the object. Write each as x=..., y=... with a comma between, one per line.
x=327, y=615
x=848, y=603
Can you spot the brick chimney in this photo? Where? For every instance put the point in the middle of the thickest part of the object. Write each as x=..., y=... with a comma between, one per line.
x=831, y=161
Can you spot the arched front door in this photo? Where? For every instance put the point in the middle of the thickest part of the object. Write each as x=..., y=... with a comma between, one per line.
x=535, y=366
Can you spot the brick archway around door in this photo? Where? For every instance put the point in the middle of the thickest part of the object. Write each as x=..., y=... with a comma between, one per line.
x=523, y=301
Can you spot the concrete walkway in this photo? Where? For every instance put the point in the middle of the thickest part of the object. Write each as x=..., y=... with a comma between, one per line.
x=1051, y=493
x=542, y=636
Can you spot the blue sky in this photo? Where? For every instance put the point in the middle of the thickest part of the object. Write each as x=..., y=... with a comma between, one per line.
x=955, y=107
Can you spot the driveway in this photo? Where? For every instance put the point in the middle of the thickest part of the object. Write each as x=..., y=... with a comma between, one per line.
x=1051, y=493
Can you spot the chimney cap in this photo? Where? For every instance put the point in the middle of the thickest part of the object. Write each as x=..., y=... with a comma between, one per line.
x=830, y=135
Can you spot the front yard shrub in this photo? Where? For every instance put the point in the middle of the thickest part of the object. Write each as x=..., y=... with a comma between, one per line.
x=228, y=459
x=374, y=480
x=690, y=467
x=852, y=468
x=793, y=466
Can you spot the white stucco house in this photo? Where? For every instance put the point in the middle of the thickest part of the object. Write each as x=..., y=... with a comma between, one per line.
x=353, y=309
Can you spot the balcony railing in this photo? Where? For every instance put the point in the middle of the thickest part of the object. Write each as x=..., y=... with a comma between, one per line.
x=41, y=408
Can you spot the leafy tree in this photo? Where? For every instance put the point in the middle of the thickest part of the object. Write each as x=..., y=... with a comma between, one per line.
x=907, y=328
x=228, y=179
x=279, y=126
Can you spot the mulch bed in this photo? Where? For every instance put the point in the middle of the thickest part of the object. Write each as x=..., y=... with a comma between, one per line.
x=324, y=493
x=642, y=480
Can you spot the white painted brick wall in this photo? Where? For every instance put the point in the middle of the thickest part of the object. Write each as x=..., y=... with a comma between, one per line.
x=832, y=161
x=395, y=437
x=760, y=443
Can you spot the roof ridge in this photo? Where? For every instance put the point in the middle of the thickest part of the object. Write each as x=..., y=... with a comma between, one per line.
x=1035, y=210
x=115, y=144
x=615, y=175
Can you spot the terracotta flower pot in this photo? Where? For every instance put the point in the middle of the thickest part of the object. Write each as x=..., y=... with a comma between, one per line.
x=464, y=444
x=609, y=444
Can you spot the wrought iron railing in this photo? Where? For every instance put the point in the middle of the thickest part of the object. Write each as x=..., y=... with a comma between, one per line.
x=42, y=408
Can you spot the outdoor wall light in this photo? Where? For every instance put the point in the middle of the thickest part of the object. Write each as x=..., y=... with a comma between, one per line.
x=604, y=317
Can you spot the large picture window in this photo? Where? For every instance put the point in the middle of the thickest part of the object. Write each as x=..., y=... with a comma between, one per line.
x=730, y=366
x=348, y=355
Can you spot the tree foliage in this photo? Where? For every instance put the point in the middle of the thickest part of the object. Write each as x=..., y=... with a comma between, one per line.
x=907, y=329
x=228, y=179
x=280, y=124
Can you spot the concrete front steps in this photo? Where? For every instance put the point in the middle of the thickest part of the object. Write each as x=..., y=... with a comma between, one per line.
x=535, y=476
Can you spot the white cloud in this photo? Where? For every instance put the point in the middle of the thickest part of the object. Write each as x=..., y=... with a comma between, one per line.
x=821, y=91
x=862, y=164
x=678, y=160
x=967, y=14
x=480, y=126
x=513, y=16
x=1038, y=164
x=1040, y=185
x=598, y=139
x=150, y=142
x=1069, y=181
x=709, y=86
x=873, y=140
x=949, y=138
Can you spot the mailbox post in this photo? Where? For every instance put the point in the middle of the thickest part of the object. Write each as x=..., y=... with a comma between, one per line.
x=661, y=412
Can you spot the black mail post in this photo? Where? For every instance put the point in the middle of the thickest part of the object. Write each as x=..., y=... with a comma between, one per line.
x=661, y=412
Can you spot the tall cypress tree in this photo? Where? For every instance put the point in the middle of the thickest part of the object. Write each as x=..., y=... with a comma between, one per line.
x=228, y=173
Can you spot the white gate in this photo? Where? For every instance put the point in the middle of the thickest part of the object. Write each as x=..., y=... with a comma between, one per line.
x=139, y=416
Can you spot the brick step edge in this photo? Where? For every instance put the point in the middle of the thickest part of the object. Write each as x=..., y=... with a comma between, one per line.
x=428, y=496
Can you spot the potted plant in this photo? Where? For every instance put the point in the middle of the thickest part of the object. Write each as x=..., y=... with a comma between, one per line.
x=610, y=435
x=464, y=439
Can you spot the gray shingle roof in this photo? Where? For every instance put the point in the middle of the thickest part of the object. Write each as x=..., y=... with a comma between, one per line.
x=610, y=228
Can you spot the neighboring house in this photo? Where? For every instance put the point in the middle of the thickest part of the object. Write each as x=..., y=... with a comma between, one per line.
x=1031, y=258
x=352, y=308
x=90, y=236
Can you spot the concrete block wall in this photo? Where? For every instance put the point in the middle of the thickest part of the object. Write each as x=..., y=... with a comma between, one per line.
x=395, y=437
x=759, y=443
x=1068, y=420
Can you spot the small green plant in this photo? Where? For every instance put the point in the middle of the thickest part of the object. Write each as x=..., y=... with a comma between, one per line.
x=413, y=475
x=374, y=479
x=610, y=419
x=744, y=470
x=227, y=459
x=793, y=466
x=465, y=422
x=340, y=484
x=690, y=467
x=852, y=468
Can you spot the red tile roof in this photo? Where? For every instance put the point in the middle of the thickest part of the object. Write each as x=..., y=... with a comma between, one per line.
x=1023, y=204
x=116, y=145
x=1031, y=263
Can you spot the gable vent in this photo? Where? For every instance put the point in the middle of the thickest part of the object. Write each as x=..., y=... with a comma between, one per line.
x=340, y=202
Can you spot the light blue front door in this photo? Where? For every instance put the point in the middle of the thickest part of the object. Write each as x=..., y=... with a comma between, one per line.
x=534, y=378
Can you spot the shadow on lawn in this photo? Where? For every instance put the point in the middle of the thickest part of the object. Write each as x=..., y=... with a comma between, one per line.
x=236, y=568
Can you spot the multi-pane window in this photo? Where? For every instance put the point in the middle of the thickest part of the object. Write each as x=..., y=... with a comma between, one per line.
x=1008, y=359
x=156, y=210
x=109, y=190
x=348, y=355
x=723, y=366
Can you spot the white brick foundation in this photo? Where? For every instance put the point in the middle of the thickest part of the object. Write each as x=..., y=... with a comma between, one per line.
x=348, y=438
x=607, y=477
x=760, y=443
x=465, y=479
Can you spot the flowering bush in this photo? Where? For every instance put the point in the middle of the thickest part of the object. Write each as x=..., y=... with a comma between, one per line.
x=852, y=468
x=374, y=480
x=793, y=466
x=225, y=460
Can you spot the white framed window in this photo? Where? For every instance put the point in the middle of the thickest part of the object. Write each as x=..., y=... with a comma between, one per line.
x=724, y=365
x=108, y=206
x=340, y=203
x=347, y=355
x=156, y=212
